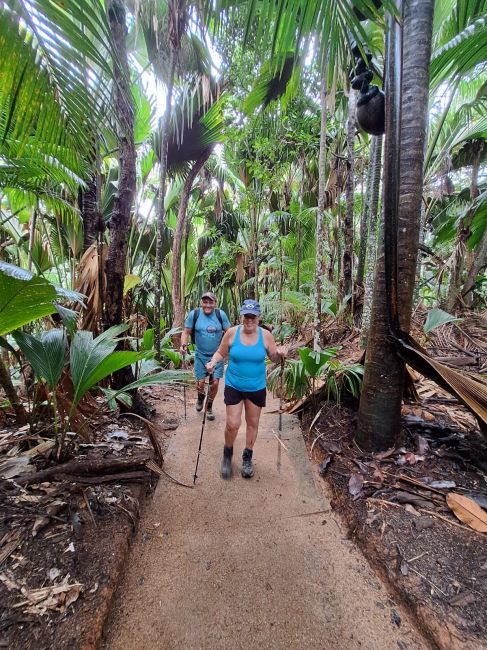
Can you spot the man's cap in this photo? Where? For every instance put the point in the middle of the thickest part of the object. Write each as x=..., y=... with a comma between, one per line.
x=210, y=295
x=250, y=307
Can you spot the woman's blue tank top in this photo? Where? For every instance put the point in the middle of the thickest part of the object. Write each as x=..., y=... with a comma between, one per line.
x=246, y=364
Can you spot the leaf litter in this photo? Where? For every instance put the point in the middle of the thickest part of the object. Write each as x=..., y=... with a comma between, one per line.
x=57, y=534
x=403, y=493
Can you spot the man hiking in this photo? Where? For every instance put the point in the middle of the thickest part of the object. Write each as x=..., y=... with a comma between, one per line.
x=205, y=326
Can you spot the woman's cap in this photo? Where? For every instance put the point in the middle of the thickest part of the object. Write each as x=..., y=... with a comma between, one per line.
x=250, y=307
x=210, y=295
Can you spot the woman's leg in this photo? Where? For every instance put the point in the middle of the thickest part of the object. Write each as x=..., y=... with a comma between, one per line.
x=234, y=418
x=252, y=417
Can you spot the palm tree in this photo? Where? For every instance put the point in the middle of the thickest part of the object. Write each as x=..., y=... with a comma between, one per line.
x=380, y=402
x=172, y=29
x=374, y=226
x=320, y=214
x=122, y=206
x=349, y=188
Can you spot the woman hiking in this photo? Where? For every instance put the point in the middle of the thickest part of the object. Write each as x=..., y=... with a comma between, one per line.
x=246, y=347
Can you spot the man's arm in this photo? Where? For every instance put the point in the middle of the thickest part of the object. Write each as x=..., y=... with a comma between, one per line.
x=185, y=336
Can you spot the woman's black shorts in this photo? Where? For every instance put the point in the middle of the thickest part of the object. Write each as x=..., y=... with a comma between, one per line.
x=233, y=396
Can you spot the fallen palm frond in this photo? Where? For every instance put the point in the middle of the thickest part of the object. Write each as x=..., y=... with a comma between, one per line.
x=471, y=390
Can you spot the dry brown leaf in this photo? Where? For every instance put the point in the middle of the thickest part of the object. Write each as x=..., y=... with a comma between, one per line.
x=467, y=511
x=355, y=484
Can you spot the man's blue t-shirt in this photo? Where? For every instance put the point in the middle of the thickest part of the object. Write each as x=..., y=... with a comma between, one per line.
x=208, y=331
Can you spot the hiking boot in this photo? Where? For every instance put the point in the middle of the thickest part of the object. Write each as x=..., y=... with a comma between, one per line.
x=209, y=411
x=247, y=467
x=200, y=401
x=226, y=467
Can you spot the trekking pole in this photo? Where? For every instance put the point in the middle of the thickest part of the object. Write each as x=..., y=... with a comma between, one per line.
x=280, y=394
x=210, y=382
x=183, y=363
x=280, y=335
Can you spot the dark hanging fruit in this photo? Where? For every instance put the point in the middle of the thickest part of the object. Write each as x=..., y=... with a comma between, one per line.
x=371, y=101
x=371, y=111
x=362, y=16
x=361, y=80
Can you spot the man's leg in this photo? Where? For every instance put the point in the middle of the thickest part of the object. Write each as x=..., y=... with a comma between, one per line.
x=217, y=375
x=252, y=417
x=200, y=375
x=234, y=418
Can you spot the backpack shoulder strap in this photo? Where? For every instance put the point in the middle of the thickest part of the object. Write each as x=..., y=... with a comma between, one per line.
x=196, y=313
x=219, y=316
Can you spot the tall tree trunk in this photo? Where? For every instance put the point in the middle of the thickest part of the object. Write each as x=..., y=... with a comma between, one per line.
x=122, y=205
x=475, y=259
x=119, y=224
x=479, y=262
x=161, y=212
x=32, y=234
x=89, y=205
x=366, y=218
x=11, y=394
x=176, y=293
x=349, y=192
x=255, y=251
x=380, y=403
x=89, y=213
x=418, y=26
x=320, y=230
x=462, y=256
x=375, y=227
x=298, y=280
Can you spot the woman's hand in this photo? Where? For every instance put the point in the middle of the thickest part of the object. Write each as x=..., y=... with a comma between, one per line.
x=210, y=366
x=282, y=351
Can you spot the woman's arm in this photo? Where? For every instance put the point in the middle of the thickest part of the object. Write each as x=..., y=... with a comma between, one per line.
x=274, y=352
x=222, y=351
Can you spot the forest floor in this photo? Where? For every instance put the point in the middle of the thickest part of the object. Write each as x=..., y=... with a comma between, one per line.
x=399, y=505
x=396, y=511
x=64, y=541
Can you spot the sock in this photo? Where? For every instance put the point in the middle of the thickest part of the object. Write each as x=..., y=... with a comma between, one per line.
x=201, y=397
x=209, y=405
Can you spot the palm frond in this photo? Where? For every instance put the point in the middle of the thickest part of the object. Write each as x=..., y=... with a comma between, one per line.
x=462, y=53
x=53, y=55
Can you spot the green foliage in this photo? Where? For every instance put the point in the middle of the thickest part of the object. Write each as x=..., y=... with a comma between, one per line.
x=22, y=301
x=436, y=318
x=167, y=351
x=161, y=378
x=315, y=360
x=48, y=51
x=93, y=359
x=45, y=353
x=296, y=381
x=338, y=376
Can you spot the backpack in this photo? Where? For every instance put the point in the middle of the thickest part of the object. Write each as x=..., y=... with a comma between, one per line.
x=196, y=313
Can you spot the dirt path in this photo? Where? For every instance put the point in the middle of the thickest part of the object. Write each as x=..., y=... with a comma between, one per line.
x=259, y=563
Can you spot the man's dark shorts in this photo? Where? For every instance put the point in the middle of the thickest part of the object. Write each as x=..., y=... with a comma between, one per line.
x=233, y=396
